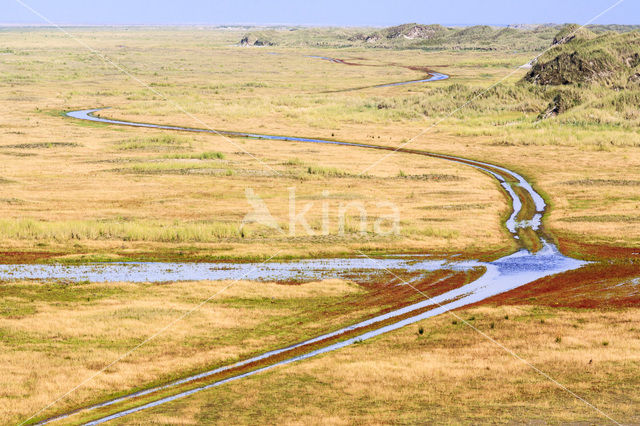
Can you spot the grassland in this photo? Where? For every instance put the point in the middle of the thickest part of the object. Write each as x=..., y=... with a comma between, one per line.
x=96, y=323
x=448, y=373
x=113, y=180
x=74, y=192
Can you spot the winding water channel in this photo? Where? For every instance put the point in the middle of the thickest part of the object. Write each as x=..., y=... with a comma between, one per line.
x=507, y=273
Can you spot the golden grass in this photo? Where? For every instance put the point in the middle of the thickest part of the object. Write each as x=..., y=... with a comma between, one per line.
x=449, y=374
x=94, y=199
x=54, y=336
x=158, y=177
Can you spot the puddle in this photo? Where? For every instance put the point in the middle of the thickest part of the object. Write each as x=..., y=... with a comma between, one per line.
x=303, y=270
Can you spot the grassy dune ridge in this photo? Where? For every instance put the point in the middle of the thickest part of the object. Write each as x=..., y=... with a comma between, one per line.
x=419, y=36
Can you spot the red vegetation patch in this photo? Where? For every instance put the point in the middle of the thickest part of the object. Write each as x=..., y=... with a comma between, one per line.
x=597, y=251
x=395, y=293
x=15, y=257
x=426, y=70
x=594, y=286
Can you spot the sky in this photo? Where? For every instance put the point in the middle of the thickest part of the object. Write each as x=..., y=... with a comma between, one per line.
x=317, y=12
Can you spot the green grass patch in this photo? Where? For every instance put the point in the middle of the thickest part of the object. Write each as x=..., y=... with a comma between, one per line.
x=200, y=156
x=154, y=143
x=42, y=145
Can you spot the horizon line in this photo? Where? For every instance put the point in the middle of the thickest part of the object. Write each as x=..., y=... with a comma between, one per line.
x=277, y=24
